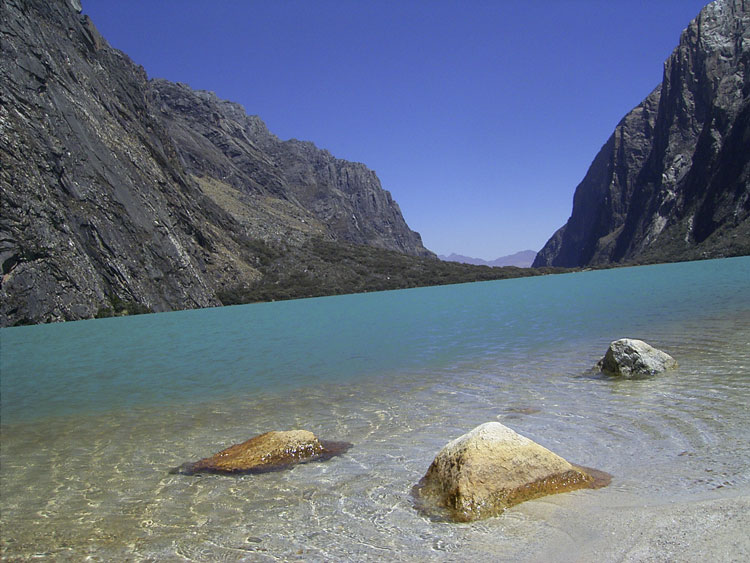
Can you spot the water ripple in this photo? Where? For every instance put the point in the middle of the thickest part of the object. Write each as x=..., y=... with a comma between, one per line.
x=97, y=484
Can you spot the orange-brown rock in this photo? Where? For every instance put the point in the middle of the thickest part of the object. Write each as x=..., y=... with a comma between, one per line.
x=271, y=451
x=483, y=472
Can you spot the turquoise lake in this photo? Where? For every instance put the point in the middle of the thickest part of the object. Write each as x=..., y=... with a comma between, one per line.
x=95, y=413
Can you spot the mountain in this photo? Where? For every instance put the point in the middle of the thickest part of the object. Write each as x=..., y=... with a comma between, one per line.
x=117, y=189
x=123, y=195
x=522, y=259
x=231, y=154
x=673, y=180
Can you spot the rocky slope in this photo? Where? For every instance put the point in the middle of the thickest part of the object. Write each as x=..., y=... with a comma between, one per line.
x=124, y=194
x=219, y=143
x=673, y=180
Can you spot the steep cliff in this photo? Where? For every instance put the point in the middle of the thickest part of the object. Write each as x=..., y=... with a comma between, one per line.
x=96, y=209
x=124, y=194
x=673, y=180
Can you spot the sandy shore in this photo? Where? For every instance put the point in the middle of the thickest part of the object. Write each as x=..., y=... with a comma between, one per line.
x=686, y=530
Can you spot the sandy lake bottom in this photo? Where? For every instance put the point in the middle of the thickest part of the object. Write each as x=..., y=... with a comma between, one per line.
x=677, y=446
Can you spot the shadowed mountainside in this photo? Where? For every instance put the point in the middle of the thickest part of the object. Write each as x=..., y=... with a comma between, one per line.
x=673, y=180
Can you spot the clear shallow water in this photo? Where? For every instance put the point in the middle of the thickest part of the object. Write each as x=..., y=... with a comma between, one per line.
x=94, y=414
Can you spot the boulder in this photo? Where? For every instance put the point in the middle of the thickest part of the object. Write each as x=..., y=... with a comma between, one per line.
x=481, y=473
x=633, y=358
x=271, y=451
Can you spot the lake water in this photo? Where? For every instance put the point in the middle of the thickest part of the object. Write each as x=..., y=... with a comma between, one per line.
x=95, y=413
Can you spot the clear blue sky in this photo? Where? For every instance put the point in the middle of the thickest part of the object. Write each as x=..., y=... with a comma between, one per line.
x=479, y=116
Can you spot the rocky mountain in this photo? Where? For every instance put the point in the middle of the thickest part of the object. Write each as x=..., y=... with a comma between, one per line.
x=229, y=152
x=124, y=194
x=673, y=180
x=522, y=259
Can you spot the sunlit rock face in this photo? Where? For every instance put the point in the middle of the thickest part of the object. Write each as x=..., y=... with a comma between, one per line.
x=491, y=468
x=673, y=180
x=272, y=451
x=631, y=358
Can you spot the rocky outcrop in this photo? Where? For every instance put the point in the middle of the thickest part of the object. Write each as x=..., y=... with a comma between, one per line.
x=491, y=468
x=673, y=180
x=97, y=210
x=123, y=194
x=272, y=451
x=631, y=358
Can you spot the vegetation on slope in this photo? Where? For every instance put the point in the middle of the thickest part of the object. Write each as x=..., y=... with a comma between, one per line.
x=321, y=267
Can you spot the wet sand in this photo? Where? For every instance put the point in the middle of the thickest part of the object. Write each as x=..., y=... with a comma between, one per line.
x=694, y=530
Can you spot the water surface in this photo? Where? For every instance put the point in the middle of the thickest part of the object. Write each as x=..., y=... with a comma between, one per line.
x=95, y=413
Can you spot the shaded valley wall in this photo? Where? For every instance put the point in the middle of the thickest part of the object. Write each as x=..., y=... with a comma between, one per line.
x=673, y=181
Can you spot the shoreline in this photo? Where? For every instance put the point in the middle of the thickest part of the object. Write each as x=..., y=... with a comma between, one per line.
x=704, y=527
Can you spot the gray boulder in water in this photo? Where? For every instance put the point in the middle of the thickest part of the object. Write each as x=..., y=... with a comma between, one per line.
x=631, y=358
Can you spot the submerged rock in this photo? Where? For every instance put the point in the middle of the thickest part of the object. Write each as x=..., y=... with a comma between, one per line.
x=272, y=451
x=631, y=358
x=485, y=471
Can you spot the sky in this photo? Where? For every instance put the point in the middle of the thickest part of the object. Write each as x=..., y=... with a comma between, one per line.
x=479, y=116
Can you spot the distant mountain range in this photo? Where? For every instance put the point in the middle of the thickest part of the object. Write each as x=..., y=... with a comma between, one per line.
x=522, y=259
x=673, y=180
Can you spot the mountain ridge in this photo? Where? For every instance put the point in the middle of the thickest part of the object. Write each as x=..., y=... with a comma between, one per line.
x=521, y=259
x=101, y=206
x=123, y=194
x=216, y=139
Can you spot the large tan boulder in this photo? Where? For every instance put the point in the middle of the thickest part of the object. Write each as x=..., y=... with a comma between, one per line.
x=492, y=467
x=271, y=451
x=632, y=358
